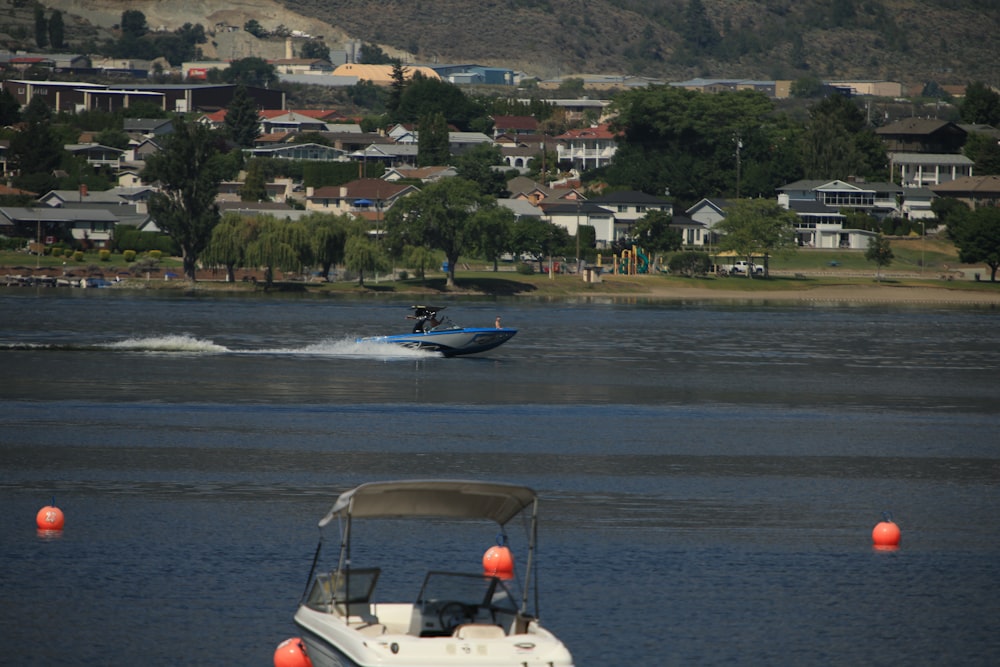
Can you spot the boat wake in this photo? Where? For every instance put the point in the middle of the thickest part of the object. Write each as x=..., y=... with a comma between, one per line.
x=186, y=344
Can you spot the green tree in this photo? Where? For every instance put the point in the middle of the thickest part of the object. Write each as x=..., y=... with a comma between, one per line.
x=315, y=49
x=372, y=54
x=700, y=36
x=362, y=254
x=757, y=228
x=685, y=140
x=254, y=186
x=252, y=71
x=977, y=236
x=476, y=164
x=837, y=142
x=433, y=147
x=984, y=151
x=981, y=104
x=441, y=216
x=327, y=234
x=396, y=88
x=10, y=109
x=228, y=244
x=537, y=237
x=36, y=152
x=242, y=121
x=879, y=251
x=188, y=170
x=41, y=28
x=57, y=30
x=494, y=227
x=254, y=28
x=114, y=137
x=690, y=264
x=652, y=231
x=423, y=96
x=133, y=24
x=277, y=245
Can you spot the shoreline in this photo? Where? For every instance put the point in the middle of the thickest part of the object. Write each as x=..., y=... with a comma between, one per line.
x=648, y=288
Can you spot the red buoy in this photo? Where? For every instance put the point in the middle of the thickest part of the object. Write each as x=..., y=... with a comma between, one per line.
x=886, y=533
x=291, y=653
x=50, y=518
x=498, y=562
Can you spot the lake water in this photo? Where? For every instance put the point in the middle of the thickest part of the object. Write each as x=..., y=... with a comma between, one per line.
x=710, y=473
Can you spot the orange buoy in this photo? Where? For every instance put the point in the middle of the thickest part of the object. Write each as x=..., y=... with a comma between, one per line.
x=886, y=533
x=50, y=518
x=291, y=653
x=498, y=561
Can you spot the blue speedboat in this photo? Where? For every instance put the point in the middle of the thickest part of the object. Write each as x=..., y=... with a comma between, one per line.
x=439, y=334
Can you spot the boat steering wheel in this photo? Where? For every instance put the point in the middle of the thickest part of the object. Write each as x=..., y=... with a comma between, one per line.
x=453, y=614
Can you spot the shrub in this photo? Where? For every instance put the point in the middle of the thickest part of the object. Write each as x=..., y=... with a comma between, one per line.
x=525, y=269
x=78, y=256
x=690, y=264
x=155, y=254
x=129, y=255
x=104, y=255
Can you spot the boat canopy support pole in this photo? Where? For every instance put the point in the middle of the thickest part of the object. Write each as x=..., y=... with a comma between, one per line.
x=528, y=581
x=312, y=570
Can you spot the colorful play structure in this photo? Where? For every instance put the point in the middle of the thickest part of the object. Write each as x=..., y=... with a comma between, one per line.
x=629, y=262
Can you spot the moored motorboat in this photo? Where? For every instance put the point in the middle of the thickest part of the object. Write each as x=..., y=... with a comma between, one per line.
x=442, y=335
x=457, y=618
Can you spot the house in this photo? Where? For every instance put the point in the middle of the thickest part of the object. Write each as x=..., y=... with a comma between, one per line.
x=976, y=191
x=522, y=187
x=422, y=174
x=879, y=200
x=588, y=148
x=462, y=142
x=706, y=213
x=922, y=135
x=629, y=206
x=298, y=152
x=148, y=127
x=392, y=155
x=919, y=170
x=97, y=155
x=358, y=196
x=916, y=204
x=514, y=125
x=93, y=227
x=302, y=66
x=573, y=215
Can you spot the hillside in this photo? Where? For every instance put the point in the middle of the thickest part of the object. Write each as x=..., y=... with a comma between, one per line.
x=914, y=41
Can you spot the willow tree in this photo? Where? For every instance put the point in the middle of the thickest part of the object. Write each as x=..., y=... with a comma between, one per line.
x=277, y=245
x=228, y=244
x=327, y=236
x=757, y=228
x=364, y=255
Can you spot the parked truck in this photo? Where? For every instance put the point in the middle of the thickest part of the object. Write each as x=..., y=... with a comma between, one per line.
x=743, y=266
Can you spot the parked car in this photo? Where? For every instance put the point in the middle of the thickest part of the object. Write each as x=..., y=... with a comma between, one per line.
x=742, y=266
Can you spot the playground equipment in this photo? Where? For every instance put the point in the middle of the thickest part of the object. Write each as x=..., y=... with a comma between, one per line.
x=631, y=262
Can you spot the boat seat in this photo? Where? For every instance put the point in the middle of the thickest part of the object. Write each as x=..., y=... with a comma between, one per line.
x=478, y=631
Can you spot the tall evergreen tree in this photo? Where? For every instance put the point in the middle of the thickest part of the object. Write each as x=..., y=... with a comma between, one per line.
x=242, y=122
x=57, y=30
x=36, y=151
x=189, y=170
x=432, y=141
x=41, y=28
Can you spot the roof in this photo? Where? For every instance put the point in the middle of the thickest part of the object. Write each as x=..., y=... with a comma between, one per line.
x=917, y=126
x=382, y=73
x=433, y=498
x=598, y=132
x=931, y=158
x=979, y=184
x=629, y=197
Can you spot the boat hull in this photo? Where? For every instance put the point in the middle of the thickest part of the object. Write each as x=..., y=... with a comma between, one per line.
x=449, y=342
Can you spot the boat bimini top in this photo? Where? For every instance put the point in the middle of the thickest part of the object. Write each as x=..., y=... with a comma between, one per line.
x=432, y=498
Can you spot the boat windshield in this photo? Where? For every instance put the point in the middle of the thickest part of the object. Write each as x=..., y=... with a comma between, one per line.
x=473, y=590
